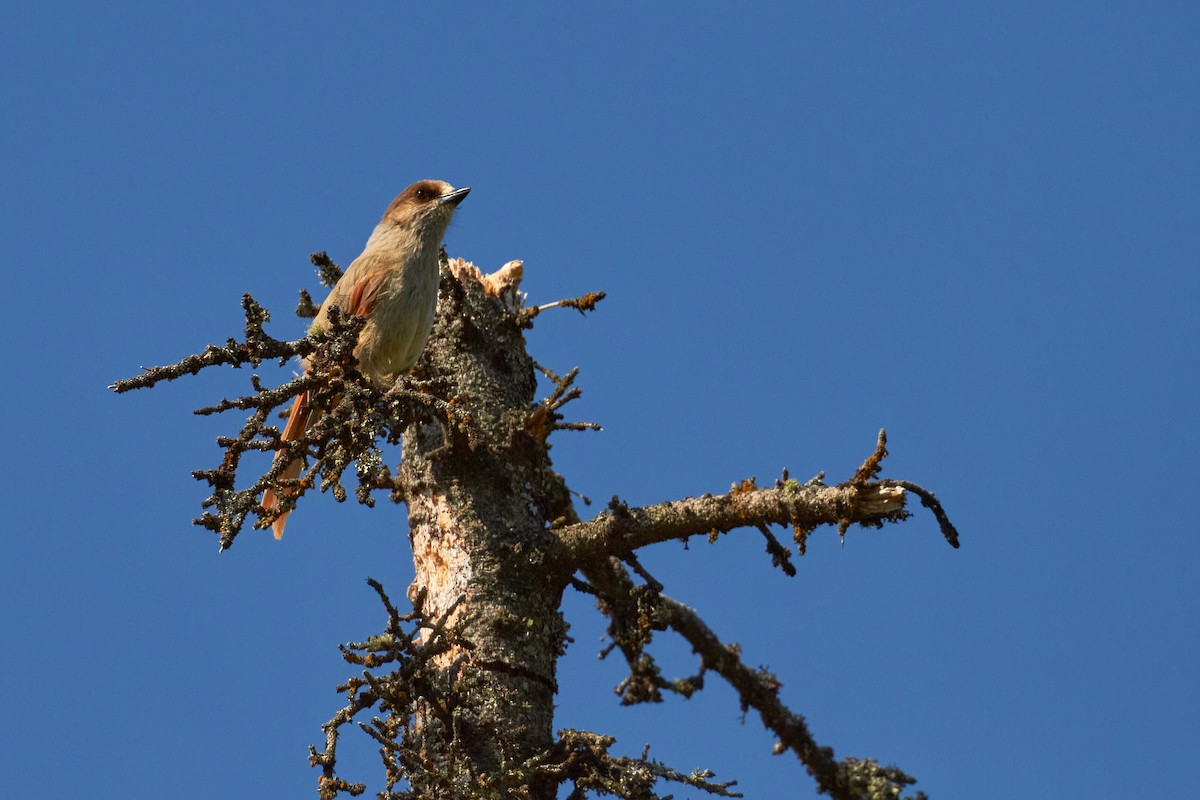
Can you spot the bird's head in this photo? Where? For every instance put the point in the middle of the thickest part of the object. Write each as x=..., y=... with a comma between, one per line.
x=426, y=206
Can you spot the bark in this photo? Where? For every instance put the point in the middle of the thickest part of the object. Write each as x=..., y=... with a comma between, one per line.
x=479, y=497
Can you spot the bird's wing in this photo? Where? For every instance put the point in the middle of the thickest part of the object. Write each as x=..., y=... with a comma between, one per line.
x=367, y=286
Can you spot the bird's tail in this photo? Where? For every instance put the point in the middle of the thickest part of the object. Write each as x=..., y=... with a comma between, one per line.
x=297, y=424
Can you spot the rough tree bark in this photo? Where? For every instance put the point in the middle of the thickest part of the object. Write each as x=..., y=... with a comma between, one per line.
x=487, y=562
x=463, y=685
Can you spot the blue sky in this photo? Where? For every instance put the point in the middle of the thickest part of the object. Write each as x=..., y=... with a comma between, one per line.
x=972, y=224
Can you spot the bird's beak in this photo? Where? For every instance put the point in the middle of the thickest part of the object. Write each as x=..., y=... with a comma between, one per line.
x=455, y=197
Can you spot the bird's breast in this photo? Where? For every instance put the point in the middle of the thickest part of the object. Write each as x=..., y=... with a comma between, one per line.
x=400, y=322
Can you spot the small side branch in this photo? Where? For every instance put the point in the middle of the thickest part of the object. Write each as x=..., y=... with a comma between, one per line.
x=581, y=304
x=546, y=416
x=582, y=759
x=849, y=779
x=409, y=643
x=932, y=503
x=632, y=622
x=780, y=556
x=257, y=348
x=622, y=529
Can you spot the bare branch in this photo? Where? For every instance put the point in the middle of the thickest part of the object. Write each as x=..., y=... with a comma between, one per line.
x=622, y=529
x=861, y=500
x=759, y=689
x=780, y=556
x=871, y=468
x=633, y=614
x=545, y=418
x=327, y=272
x=932, y=503
x=582, y=758
x=581, y=304
x=412, y=680
x=257, y=348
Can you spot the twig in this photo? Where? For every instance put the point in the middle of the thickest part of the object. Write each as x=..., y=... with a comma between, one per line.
x=932, y=503
x=581, y=304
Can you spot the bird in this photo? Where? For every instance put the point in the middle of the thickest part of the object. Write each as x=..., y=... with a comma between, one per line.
x=394, y=285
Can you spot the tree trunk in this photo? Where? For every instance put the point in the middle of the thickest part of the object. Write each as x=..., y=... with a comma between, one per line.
x=479, y=501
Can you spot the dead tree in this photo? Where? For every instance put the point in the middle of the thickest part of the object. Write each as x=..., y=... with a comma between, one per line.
x=461, y=686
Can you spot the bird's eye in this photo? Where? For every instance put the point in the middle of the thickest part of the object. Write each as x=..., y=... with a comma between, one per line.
x=423, y=194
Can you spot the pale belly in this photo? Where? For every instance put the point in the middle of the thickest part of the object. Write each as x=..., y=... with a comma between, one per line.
x=400, y=323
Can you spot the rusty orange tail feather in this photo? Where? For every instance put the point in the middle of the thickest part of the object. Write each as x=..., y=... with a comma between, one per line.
x=297, y=424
